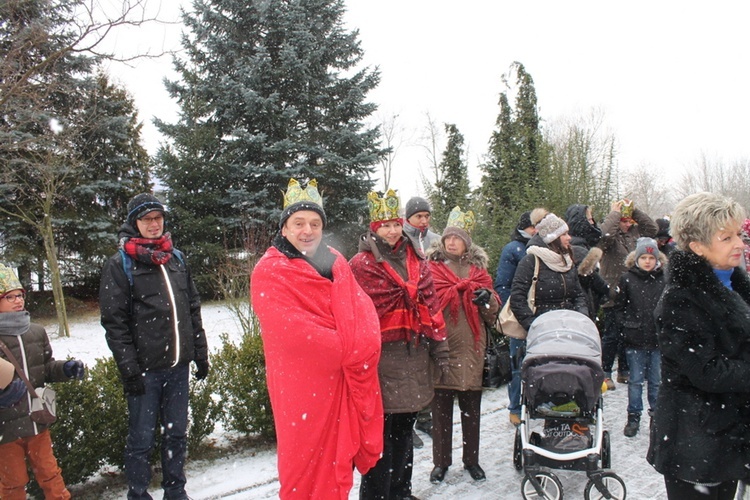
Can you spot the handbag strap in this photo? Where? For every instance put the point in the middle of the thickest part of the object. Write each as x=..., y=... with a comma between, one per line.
x=532, y=289
x=20, y=372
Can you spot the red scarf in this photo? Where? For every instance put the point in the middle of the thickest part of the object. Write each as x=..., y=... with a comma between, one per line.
x=151, y=251
x=453, y=291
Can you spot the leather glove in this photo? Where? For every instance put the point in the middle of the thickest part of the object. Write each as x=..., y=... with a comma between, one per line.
x=134, y=386
x=13, y=393
x=74, y=369
x=482, y=297
x=201, y=369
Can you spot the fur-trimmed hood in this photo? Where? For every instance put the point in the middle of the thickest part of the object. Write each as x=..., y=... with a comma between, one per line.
x=630, y=259
x=475, y=256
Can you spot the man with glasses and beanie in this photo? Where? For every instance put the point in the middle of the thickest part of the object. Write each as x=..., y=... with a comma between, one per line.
x=150, y=310
x=25, y=352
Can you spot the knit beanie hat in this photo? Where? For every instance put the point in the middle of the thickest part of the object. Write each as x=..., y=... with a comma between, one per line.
x=551, y=227
x=143, y=204
x=8, y=280
x=524, y=221
x=415, y=205
x=297, y=199
x=6, y=373
x=646, y=245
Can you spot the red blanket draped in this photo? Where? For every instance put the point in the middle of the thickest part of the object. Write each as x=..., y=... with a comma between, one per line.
x=449, y=287
x=404, y=307
x=322, y=346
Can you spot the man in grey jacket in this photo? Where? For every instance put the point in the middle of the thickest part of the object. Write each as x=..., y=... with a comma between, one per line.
x=417, y=224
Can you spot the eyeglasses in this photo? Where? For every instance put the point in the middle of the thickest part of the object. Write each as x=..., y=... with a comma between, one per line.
x=149, y=220
x=12, y=297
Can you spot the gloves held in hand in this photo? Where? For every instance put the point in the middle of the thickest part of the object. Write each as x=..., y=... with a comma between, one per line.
x=201, y=370
x=481, y=297
x=74, y=369
x=134, y=386
x=13, y=393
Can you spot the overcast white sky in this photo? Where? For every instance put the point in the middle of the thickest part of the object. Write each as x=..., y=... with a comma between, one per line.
x=671, y=78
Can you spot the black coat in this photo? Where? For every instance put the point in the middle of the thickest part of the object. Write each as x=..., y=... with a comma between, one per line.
x=701, y=424
x=139, y=323
x=554, y=290
x=582, y=232
x=637, y=296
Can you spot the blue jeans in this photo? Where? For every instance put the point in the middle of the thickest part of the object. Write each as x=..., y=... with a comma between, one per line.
x=517, y=353
x=645, y=366
x=166, y=397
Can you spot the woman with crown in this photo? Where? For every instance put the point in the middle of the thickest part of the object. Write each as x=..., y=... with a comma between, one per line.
x=464, y=288
x=399, y=282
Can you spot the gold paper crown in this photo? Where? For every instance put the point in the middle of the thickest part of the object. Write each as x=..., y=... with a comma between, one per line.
x=295, y=193
x=8, y=280
x=385, y=208
x=462, y=220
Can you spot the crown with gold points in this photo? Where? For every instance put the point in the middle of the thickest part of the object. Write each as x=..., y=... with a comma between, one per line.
x=462, y=220
x=295, y=193
x=385, y=208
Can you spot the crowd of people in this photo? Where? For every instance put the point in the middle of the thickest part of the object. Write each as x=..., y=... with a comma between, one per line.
x=359, y=353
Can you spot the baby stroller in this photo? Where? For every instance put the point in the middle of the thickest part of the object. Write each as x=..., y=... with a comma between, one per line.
x=561, y=381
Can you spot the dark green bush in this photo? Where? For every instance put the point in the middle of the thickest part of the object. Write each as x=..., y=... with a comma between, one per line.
x=92, y=422
x=241, y=386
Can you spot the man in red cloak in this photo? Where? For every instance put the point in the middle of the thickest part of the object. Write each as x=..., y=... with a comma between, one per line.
x=321, y=338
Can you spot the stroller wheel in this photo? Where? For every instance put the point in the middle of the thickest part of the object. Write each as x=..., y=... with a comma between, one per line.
x=615, y=488
x=517, y=451
x=549, y=487
x=606, y=455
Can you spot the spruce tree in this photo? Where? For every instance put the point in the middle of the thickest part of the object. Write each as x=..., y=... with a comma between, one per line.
x=268, y=91
x=452, y=188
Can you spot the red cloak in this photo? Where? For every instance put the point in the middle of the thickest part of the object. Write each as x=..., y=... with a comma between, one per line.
x=321, y=340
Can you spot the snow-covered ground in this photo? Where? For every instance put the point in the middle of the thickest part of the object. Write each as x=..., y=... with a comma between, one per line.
x=251, y=473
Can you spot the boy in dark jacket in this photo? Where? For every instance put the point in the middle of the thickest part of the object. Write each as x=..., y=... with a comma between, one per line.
x=639, y=290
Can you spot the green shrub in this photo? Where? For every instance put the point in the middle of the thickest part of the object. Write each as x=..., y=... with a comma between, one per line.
x=92, y=422
x=204, y=411
x=240, y=372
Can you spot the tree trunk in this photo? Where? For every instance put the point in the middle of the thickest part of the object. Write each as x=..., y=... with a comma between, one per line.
x=54, y=269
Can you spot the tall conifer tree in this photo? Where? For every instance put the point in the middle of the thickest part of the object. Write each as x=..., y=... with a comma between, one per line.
x=269, y=90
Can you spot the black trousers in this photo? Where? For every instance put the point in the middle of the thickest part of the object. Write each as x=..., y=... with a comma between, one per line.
x=682, y=490
x=391, y=476
x=470, y=403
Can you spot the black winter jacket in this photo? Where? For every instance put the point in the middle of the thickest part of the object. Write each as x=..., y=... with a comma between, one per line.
x=554, y=290
x=637, y=296
x=32, y=350
x=149, y=328
x=701, y=425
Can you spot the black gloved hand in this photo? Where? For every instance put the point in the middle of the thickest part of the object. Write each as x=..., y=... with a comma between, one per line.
x=134, y=386
x=74, y=369
x=481, y=297
x=201, y=369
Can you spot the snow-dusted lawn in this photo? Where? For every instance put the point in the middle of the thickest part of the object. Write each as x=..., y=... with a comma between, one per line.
x=251, y=473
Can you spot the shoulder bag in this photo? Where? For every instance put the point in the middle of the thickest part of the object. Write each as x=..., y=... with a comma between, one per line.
x=507, y=323
x=497, y=369
x=43, y=406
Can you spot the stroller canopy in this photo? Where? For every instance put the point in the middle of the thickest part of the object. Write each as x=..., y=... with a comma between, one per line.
x=564, y=333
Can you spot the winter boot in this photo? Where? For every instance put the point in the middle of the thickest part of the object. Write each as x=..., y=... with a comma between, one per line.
x=631, y=428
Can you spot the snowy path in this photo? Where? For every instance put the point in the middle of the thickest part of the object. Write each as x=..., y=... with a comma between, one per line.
x=251, y=474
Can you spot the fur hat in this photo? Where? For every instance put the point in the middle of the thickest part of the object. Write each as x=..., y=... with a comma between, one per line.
x=646, y=245
x=551, y=227
x=297, y=199
x=8, y=280
x=537, y=215
x=7, y=370
x=415, y=205
x=663, y=228
x=143, y=204
x=524, y=221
